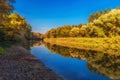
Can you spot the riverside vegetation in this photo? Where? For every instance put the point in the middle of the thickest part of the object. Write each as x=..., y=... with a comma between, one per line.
x=107, y=45
x=14, y=27
x=16, y=63
x=102, y=33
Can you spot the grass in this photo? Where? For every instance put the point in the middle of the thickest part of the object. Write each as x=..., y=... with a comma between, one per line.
x=106, y=45
x=2, y=51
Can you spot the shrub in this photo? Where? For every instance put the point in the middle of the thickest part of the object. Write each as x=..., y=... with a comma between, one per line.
x=19, y=38
x=2, y=34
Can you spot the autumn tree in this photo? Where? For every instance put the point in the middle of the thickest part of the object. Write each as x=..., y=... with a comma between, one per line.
x=5, y=9
x=110, y=23
x=97, y=14
x=101, y=24
x=74, y=32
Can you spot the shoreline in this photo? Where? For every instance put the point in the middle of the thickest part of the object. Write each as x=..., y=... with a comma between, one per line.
x=105, y=45
x=18, y=64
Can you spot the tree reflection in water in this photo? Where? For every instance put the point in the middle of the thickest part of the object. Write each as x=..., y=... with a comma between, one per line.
x=98, y=62
x=101, y=63
x=32, y=43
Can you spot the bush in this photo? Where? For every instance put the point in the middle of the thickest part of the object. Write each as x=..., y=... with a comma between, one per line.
x=19, y=38
x=2, y=34
x=2, y=51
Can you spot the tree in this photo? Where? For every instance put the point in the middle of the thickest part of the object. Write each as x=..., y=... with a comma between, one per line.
x=101, y=24
x=97, y=32
x=2, y=35
x=5, y=9
x=17, y=22
x=83, y=31
x=91, y=17
x=74, y=32
x=110, y=23
x=118, y=7
x=28, y=32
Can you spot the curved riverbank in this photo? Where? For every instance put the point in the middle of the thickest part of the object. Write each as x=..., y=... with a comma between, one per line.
x=18, y=64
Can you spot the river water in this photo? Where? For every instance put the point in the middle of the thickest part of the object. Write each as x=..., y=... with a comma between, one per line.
x=76, y=64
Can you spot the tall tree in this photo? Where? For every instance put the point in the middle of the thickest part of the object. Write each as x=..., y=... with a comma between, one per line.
x=5, y=8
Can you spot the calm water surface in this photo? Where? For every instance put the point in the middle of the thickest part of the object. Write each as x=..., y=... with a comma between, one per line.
x=75, y=64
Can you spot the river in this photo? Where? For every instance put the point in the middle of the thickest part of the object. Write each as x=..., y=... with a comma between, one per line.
x=76, y=64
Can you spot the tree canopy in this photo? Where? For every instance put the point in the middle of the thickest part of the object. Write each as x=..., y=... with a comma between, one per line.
x=12, y=25
x=101, y=24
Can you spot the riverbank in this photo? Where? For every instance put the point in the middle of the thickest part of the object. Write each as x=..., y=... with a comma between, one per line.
x=106, y=45
x=18, y=64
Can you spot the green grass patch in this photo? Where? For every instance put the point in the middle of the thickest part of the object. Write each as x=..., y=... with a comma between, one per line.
x=2, y=50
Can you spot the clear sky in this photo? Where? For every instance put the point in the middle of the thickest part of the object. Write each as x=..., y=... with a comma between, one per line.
x=46, y=14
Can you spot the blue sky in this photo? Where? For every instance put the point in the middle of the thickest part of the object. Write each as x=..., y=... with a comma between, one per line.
x=46, y=14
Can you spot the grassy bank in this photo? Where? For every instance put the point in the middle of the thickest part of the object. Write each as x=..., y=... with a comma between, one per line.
x=106, y=45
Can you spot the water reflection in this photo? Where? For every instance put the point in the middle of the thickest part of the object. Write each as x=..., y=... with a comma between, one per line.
x=32, y=43
x=97, y=62
x=100, y=63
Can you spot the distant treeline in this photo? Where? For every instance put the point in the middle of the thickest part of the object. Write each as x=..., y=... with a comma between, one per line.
x=100, y=24
x=36, y=36
x=13, y=27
